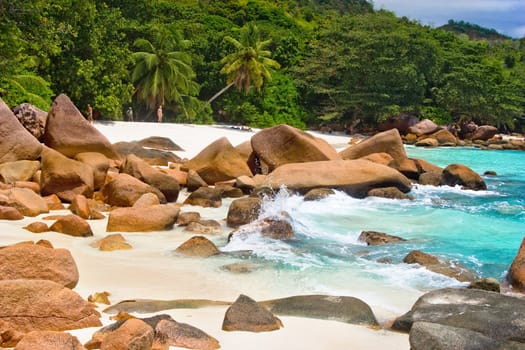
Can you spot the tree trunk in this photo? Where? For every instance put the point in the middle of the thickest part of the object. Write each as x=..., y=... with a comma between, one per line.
x=217, y=95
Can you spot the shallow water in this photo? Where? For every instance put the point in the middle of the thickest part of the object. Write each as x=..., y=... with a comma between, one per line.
x=479, y=229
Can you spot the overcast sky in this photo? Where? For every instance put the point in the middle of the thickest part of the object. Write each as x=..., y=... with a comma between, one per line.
x=506, y=16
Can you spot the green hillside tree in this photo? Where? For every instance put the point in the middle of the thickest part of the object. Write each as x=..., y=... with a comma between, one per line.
x=162, y=74
x=250, y=64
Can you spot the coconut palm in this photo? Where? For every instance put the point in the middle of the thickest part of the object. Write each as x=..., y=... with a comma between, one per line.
x=163, y=75
x=250, y=64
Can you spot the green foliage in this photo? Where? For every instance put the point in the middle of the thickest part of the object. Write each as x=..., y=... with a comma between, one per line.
x=340, y=61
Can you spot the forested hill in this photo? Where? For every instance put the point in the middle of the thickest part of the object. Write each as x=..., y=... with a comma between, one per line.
x=474, y=31
x=255, y=62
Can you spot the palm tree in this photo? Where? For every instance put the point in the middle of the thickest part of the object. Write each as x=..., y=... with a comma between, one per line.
x=164, y=76
x=249, y=65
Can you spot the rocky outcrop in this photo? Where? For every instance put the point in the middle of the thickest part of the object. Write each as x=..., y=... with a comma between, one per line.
x=20, y=170
x=204, y=227
x=49, y=340
x=150, y=155
x=27, y=202
x=141, y=170
x=100, y=165
x=124, y=190
x=132, y=333
x=389, y=142
x=490, y=314
x=72, y=225
x=516, y=274
x=243, y=211
x=207, y=197
x=33, y=119
x=198, y=246
x=355, y=177
x=246, y=315
x=283, y=144
x=427, y=335
x=159, y=142
x=33, y=261
x=484, y=133
x=65, y=177
x=219, y=161
x=459, y=174
x=378, y=238
x=389, y=192
x=37, y=305
x=272, y=227
x=318, y=194
x=337, y=308
x=16, y=143
x=112, y=242
x=142, y=219
x=10, y=213
x=424, y=127
x=169, y=332
x=68, y=132
x=184, y=219
x=434, y=264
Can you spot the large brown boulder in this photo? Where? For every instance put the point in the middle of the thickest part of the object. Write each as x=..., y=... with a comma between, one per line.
x=246, y=315
x=243, y=211
x=150, y=155
x=272, y=227
x=198, y=246
x=72, y=225
x=130, y=334
x=159, y=142
x=65, y=177
x=389, y=142
x=378, y=238
x=327, y=307
x=516, y=275
x=49, y=340
x=141, y=170
x=27, y=202
x=207, y=197
x=34, y=261
x=10, y=213
x=32, y=118
x=16, y=143
x=38, y=305
x=100, y=165
x=424, y=127
x=219, y=161
x=459, y=174
x=444, y=138
x=169, y=332
x=124, y=190
x=356, y=177
x=283, y=144
x=20, y=170
x=68, y=132
x=484, y=133
x=446, y=268
x=143, y=219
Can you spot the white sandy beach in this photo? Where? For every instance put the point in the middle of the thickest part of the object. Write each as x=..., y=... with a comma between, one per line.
x=151, y=271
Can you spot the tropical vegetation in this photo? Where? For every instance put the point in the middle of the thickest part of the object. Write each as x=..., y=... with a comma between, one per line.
x=300, y=62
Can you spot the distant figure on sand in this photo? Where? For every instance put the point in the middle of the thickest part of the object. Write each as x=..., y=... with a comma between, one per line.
x=90, y=113
x=159, y=114
x=129, y=113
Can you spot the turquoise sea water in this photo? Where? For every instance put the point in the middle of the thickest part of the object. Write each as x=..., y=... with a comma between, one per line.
x=481, y=230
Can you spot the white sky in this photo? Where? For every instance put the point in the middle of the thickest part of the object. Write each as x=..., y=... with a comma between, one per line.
x=506, y=16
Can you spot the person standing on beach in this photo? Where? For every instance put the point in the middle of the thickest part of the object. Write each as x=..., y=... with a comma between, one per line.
x=159, y=114
x=129, y=113
x=90, y=113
